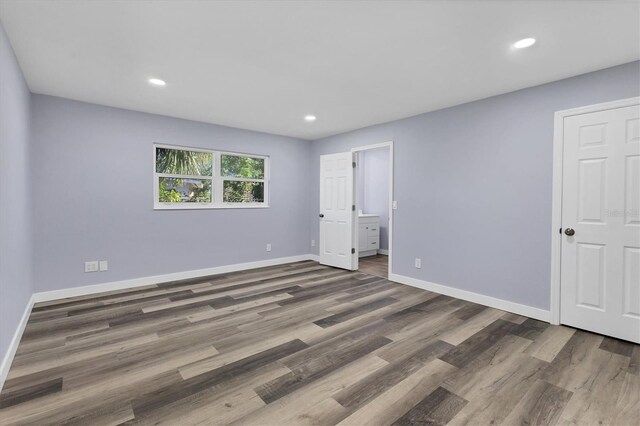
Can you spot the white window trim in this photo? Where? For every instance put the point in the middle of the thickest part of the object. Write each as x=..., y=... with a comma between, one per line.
x=216, y=184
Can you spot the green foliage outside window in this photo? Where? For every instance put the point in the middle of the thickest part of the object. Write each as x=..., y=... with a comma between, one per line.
x=243, y=192
x=168, y=195
x=179, y=190
x=182, y=162
x=242, y=167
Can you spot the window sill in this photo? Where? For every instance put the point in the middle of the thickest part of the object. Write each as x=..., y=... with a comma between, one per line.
x=209, y=207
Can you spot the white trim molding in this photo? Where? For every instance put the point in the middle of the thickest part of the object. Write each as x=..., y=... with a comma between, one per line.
x=492, y=302
x=15, y=341
x=556, y=206
x=383, y=252
x=46, y=296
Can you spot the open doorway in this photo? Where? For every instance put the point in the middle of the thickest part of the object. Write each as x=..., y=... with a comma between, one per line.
x=373, y=194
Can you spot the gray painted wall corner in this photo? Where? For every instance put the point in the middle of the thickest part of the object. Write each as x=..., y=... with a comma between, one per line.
x=16, y=285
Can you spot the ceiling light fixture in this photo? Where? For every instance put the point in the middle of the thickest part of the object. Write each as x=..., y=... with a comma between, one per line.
x=157, y=82
x=525, y=42
x=309, y=118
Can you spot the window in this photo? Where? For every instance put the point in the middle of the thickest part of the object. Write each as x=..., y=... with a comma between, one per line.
x=191, y=178
x=242, y=179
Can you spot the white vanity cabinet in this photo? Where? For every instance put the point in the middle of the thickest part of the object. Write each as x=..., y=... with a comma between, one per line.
x=368, y=235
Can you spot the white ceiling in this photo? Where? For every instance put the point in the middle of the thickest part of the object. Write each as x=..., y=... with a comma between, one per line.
x=264, y=65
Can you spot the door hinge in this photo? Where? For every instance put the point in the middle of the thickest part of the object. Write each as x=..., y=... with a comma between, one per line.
x=353, y=164
x=560, y=231
x=353, y=251
x=353, y=207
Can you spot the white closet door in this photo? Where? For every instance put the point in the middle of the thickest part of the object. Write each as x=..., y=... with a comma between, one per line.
x=600, y=270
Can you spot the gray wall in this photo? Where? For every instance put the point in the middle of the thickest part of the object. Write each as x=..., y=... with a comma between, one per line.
x=93, y=197
x=473, y=185
x=15, y=210
x=373, y=188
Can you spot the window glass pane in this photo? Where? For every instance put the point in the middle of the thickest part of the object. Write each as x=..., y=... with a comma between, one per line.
x=243, y=192
x=242, y=167
x=177, y=190
x=183, y=162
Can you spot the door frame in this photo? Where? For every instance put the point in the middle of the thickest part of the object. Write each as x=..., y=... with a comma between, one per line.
x=389, y=146
x=556, y=203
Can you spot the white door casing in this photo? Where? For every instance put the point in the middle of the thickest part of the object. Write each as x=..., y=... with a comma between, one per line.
x=388, y=145
x=337, y=216
x=600, y=262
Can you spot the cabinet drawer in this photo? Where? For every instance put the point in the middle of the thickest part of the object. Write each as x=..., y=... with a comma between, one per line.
x=373, y=243
x=373, y=231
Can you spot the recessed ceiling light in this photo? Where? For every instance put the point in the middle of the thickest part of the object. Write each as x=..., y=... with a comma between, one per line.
x=525, y=42
x=309, y=118
x=157, y=82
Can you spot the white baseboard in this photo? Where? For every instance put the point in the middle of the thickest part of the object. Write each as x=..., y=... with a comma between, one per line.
x=46, y=296
x=504, y=305
x=15, y=341
x=314, y=257
x=383, y=252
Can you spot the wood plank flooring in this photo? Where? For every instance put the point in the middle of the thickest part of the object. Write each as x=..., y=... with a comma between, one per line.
x=377, y=265
x=306, y=344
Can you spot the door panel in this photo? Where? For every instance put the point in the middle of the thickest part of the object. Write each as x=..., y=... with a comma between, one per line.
x=592, y=186
x=631, y=280
x=590, y=279
x=600, y=263
x=337, y=216
x=632, y=191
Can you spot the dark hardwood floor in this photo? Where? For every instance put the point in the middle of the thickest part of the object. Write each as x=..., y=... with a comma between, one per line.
x=308, y=344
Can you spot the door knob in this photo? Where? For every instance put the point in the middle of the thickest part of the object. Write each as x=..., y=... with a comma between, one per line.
x=569, y=231
x=321, y=215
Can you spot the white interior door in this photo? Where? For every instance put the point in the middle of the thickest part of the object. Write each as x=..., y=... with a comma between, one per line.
x=600, y=260
x=336, y=211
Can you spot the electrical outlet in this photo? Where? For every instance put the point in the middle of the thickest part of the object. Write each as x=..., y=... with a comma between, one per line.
x=418, y=263
x=313, y=243
x=269, y=247
x=91, y=266
x=104, y=265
